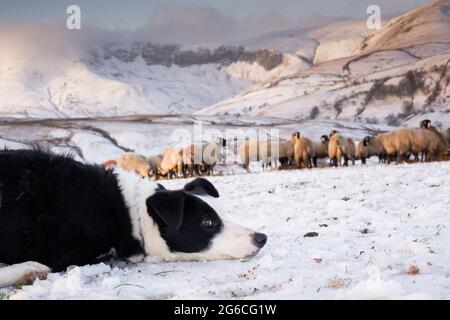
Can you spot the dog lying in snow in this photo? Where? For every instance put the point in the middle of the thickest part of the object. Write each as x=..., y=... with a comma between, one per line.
x=56, y=212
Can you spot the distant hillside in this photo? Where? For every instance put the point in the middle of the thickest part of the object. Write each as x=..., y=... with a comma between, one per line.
x=340, y=70
x=393, y=78
x=426, y=24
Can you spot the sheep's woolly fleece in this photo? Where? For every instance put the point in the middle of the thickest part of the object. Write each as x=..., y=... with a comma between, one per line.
x=371, y=232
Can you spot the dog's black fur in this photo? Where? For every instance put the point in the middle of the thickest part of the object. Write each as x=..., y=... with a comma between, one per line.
x=60, y=212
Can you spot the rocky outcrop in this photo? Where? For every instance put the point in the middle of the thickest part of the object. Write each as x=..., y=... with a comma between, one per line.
x=170, y=54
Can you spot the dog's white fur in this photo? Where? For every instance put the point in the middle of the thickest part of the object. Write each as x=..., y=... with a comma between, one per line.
x=232, y=242
x=135, y=192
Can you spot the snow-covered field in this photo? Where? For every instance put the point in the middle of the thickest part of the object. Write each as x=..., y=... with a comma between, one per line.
x=98, y=140
x=382, y=232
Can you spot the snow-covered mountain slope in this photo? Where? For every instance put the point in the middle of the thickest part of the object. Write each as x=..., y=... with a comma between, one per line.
x=391, y=83
x=338, y=39
x=314, y=45
x=382, y=233
x=146, y=78
x=97, y=84
x=254, y=72
x=301, y=49
x=394, y=86
x=426, y=24
x=335, y=71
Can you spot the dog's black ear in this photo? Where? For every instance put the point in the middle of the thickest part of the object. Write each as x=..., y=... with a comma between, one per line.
x=169, y=206
x=201, y=187
x=160, y=187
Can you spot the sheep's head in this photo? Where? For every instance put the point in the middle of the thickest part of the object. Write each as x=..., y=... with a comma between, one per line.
x=220, y=141
x=332, y=133
x=295, y=136
x=159, y=173
x=425, y=124
x=366, y=140
x=203, y=168
x=144, y=170
x=152, y=172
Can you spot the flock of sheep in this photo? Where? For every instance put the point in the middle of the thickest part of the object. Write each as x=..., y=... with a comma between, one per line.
x=199, y=159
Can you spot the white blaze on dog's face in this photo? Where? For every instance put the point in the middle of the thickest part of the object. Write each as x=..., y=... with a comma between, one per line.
x=188, y=228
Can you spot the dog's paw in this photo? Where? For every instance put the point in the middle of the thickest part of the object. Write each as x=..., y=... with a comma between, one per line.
x=30, y=271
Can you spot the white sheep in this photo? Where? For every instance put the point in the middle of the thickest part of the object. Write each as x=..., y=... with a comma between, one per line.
x=131, y=161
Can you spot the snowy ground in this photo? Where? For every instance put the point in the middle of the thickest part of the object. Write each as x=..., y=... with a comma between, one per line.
x=375, y=226
x=100, y=139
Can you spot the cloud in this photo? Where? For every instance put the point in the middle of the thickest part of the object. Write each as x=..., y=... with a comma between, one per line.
x=41, y=43
x=189, y=24
x=196, y=24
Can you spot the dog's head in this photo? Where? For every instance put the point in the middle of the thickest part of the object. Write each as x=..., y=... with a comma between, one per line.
x=191, y=229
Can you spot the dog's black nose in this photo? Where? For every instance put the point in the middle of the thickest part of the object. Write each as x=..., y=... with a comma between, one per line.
x=259, y=239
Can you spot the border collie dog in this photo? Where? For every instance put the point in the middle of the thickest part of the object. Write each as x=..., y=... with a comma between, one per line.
x=56, y=212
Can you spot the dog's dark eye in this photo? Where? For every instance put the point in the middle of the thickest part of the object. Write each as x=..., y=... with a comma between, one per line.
x=207, y=223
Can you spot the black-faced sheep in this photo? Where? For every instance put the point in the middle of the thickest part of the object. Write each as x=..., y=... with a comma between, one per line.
x=213, y=153
x=192, y=158
x=320, y=149
x=372, y=146
x=286, y=153
x=425, y=124
x=437, y=142
x=399, y=144
x=338, y=148
x=154, y=162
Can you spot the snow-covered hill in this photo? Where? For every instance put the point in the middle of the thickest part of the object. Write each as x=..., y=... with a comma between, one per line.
x=426, y=24
x=105, y=82
x=394, y=80
x=116, y=79
x=391, y=85
x=336, y=71
x=316, y=44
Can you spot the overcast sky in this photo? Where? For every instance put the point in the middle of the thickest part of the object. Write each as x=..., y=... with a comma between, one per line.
x=136, y=13
x=178, y=21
